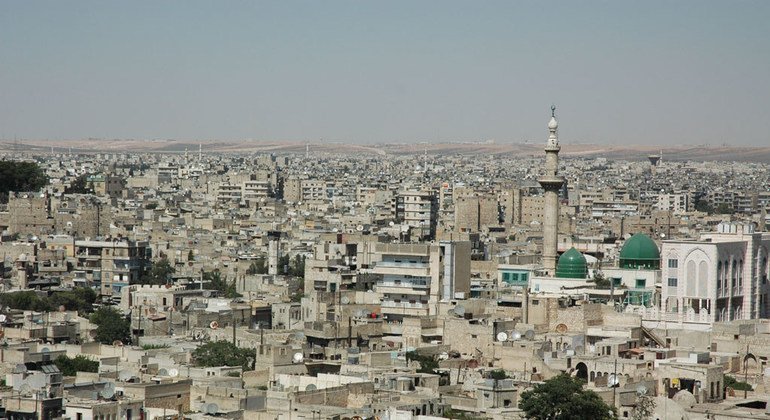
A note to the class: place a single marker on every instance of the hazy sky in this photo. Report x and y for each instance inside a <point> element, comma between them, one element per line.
<point>620,72</point>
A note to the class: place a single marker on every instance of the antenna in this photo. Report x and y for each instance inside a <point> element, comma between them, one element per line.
<point>502,336</point>
<point>173,372</point>
<point>311,387</point>
<point>162,372</point>
<point>298,357</point>
<point>529,334</point>
<point>515,336</point>
<point>214,325</point>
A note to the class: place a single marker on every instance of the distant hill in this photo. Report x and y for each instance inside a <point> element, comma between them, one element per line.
<point>697,153</point>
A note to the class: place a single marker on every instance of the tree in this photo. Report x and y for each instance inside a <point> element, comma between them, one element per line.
<point>79,299</point>
<point>428,364</point>
<point>190,255</point>
<point>259,266</point>
<point>498,374</point>
<point>19,177</point>
<point>223,353</point>
<point>563,398</point>
<point>297,266</point>
<point>71,366</point>
<point>160,273</point>
<point>737,385</point>
<point>644,409</point>
<point>283,264</point>
<point>216,282</point>
<point>111,326</point>
<point>600,281</point>
<point>79,186</point>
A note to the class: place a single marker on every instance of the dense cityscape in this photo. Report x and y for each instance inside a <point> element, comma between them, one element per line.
<point>374,286</point>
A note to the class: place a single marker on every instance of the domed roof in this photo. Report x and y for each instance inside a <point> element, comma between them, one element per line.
<point>553,124</point>
<point>639,250</point>
<point>572,265</point>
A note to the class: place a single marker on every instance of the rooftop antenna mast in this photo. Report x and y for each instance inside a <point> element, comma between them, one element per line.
<point>200,151</point>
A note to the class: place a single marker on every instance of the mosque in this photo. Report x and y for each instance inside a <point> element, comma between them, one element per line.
<point>723,276</point>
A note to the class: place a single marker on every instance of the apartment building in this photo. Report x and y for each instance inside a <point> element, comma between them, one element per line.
<point>418,210</point>
<point>109,265</point>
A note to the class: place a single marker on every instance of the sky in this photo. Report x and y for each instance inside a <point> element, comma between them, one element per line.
<point>619,72</point>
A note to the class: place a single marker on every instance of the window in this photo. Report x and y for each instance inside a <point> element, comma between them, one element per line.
<point>672,282</point>
<point>616,281</point>
<point>673,263</point>
<point>641,283</point>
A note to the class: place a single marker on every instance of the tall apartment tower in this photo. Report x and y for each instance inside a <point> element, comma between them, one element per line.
<point>551,183</point>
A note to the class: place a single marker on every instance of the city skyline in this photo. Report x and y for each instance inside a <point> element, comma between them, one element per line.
<point>658,73</point>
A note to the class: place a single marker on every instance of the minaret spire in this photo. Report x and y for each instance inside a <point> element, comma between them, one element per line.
<point>551,183</point>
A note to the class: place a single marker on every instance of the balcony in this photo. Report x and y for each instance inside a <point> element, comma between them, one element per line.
<point>400,290</point>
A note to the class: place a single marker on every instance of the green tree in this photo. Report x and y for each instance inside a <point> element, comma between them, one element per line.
<point>724,208</point>
<point>283,264</point>
<point>600,281</point>
<point>498,374</point>
<point>737,385</point>
<point>428,364</point>
<point>160,273</point>
<point>190,255</point>
<point>259,266</point>
<point>216,282</point>
<point>71,366</point>
<point>563,398</point>
<point>223,353</point>
<point>19,177</point>
<point>111,326</point>
<point>79,186</point>
<point>644,408</point>
<point>297,266</point>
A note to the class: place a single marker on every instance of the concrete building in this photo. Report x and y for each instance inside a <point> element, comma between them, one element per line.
<point>110,265</point>
<point>415,277</point>
<point>721,277</point>
<point>419,211</point>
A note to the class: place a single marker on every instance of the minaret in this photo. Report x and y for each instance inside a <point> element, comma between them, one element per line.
<point>551,183</point>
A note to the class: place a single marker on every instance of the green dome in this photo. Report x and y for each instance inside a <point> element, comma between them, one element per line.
<point>572,265</point>
<point>640,251</point>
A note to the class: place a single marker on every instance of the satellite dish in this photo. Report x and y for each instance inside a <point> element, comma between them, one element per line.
<point>443,356</point>
<point>153,311</point>
<point>641,390</point>
<point>45,350</point>
<point>529,335</point>
<point>345,300</point>
<point>502,336</point>
<point>173,372</point>
<point>360,313</point>
<point>299,336</point>
<point>125,375</point>
<point>162,372</point>
<point>22,368</point>
<point>612,381</point>
<point>108,391</point>
<point>297,358</point>
<point>311,387</point>
<point>391,224</point>
<point>592,349</point>
<point>206,293</point>
<point>92,333</point>
<point>515,336</point>
<point>2,318</point>
<point>211,408</point>
<point>561,328</point>
<point>360,228</point>
<point>25,389</point>
<point>117,343</point>
<point>214,325</point>
<point>459,310</point>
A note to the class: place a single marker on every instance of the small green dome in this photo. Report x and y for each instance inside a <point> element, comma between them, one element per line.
<point>572,265</point>
<point>640,251</point>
